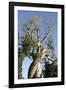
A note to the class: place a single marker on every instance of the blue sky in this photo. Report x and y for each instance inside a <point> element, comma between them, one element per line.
<point>25,16</point>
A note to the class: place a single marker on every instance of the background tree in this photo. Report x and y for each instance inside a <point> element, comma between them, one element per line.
<point>51,66</point>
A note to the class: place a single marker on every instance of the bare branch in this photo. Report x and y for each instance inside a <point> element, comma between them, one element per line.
<point>45,37</point>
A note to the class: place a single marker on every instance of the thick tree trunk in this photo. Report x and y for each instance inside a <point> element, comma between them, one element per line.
<point>34,72</point>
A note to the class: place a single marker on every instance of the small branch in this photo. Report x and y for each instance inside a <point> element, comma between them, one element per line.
<point>44,37</point>
<point>20,44</point>
<point>51,59</point>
